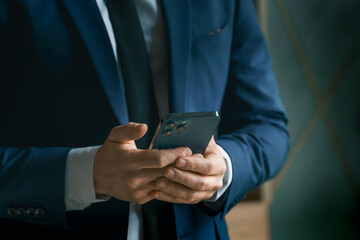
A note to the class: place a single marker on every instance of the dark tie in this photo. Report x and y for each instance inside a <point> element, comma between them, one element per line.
<point>158,217</point>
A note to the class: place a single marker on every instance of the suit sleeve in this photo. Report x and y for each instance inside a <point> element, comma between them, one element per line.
<point>253,129</point>
<point>32,184</point>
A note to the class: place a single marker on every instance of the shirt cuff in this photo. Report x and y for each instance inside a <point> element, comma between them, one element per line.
<point>79,182</point>
<point>227,178</point>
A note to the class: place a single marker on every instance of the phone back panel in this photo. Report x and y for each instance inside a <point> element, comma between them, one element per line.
<point>193,130</point>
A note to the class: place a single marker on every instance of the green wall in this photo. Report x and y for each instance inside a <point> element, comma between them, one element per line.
<point>315,48</point>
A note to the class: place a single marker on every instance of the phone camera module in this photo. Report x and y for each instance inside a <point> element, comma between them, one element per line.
<point>169,132</point>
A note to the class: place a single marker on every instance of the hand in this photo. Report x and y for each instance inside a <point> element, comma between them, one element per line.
<point>127,173</point>
<point>195,178</point>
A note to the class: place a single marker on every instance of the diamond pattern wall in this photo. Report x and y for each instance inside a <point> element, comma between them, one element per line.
<point>315,48</point>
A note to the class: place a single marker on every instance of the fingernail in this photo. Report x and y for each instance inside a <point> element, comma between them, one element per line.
<point>170,173</point>
<point>162,184</point>
<point>188,152</point>
<point>181,163</point>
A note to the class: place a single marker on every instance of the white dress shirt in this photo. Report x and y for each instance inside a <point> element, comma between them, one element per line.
<point>79,185</point>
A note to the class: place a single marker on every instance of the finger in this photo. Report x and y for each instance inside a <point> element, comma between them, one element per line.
<point>194,180</point>
<point>143,200</point>
<point>141,194</point>
<point>153,158</point>
<point>163,196</point>
<point>210,165</point>
<point>150,174</point>
<point>128,132</point>
<point>181,191</point>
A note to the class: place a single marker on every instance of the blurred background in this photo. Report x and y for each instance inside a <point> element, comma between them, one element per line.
<point>315,49</point>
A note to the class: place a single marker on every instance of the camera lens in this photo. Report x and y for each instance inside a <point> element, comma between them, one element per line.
<point>172,124</point>
<point>181,128</point>
<point>169,132</point>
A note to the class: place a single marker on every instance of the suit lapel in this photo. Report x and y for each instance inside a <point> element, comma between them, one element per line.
<point>88,20</point>
<point>177,15</point>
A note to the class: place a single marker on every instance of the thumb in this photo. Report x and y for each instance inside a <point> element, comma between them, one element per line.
<point>128,132</point>
<point>212,141</point>
<point>212,146</point>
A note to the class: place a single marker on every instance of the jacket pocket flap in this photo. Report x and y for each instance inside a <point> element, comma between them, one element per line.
<point>212,39</point>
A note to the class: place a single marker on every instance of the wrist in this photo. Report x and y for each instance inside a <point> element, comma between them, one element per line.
<point>97,176</point>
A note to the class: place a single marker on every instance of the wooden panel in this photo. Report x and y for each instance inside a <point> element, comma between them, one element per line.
<point>249,221</point>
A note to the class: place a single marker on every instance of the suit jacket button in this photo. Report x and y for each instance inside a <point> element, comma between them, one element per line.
<point>11,211</point>
<point>20,212</point>
<point>31,213</point>
<point>40,213</point>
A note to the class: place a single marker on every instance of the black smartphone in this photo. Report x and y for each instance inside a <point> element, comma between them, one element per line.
<point>191,129</point>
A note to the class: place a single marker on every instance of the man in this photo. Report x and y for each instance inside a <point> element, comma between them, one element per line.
<point>73,74</point>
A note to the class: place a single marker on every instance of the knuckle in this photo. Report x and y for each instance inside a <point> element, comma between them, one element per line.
<point>218,185</point>
<point>185,151</point>
<point>154,152</point>
<point>133,183</point>
<point>182,177</point>
<point>201,184</point>
<point>209,168</point>
<point>190,164</point>
<point>161,161</point>
<point>191,197</point>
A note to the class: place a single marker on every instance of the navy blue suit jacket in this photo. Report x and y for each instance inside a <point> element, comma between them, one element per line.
<point>60,88</point>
